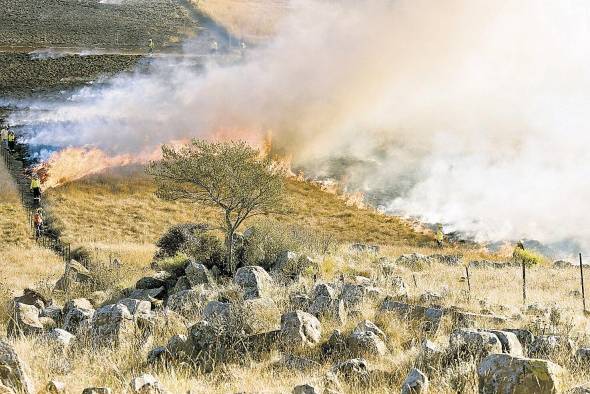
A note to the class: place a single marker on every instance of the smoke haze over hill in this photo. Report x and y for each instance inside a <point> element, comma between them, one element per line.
<point>471,113</point>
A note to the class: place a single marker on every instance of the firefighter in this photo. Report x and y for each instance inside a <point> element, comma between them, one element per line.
<point>440,236</point>
<point>36,187</point>
<point>214,47</point>
<point>151,46</point>
<point>4,137</point>
<point>38,222</point>
<point>11,140</point>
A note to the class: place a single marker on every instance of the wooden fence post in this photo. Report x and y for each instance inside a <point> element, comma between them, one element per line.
<point>523,282</point>
<point>468,279</point>
<point>582,283</point>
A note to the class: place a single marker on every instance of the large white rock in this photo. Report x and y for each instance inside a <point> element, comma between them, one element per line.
<point>254,280</point>
<point>416,383</point>
<point>300,329</point>
<point>506,374</point>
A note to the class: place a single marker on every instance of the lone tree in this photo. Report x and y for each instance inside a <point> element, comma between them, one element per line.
<point>232,176</point>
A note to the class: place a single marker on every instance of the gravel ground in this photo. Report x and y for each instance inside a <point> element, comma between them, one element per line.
<point>89,23</point>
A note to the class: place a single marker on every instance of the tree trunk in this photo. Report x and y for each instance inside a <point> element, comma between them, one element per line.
<point>229,243</point>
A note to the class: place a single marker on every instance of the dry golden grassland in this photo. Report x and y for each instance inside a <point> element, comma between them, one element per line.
<point>22,263</point>
<point>499,290</point>
<point>252,20</point>
<point>120,217</point>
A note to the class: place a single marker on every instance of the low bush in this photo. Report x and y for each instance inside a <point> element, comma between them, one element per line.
<point>194,241</point>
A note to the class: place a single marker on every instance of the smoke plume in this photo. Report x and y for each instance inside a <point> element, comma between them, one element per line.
<point>468,112</point>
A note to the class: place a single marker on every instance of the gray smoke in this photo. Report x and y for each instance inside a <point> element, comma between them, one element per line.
<point>467,112</point>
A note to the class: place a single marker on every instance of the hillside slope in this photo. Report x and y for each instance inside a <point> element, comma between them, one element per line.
<point>22,262</point>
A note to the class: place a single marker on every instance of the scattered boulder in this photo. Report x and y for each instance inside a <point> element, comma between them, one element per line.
<point>14,373</point>
<point>260,315</point>
<point>146,384</point>
<point>55,387</point>
<point>59,338</point>
<point>78,314</point>
<point>525,337</point>
<point>506,374</point>
<point>583,389</point>
<point>24,321</point>
<point>197,274</point>
<point>159,279</point>
<point>151,295</point>
<point>465,341</point>
<point>354,371</point>
<point>509,341</point>
<point>335,345</point>
<point>32,297</point>
<point>254,280</point>
<point>295,363</point>
<point>306,389</point>
<point>190,303</point>
<point>113,325</point>
<point>97,390</point>
<point>416,383</point>
<point>428,318</point>
<point>217,312</point>
<point>75,273</point>
<point>369,326</point>
<point>366,343</point>
<point>583,355</point>
<point>462,319</point>
<point>326,305</point>
<point>300,329</point>
<point>414,261</point>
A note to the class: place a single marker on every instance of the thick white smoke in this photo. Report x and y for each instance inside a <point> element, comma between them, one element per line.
<point>468,112</point>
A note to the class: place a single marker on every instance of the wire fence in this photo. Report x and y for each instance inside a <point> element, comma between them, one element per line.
<point>45,236</point>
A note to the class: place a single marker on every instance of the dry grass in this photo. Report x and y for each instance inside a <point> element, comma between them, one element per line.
<point>120,217</point>
<point>252,20</point>
<point>22,262</point>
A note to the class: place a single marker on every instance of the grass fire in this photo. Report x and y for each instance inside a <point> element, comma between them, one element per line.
<point>276,196</point>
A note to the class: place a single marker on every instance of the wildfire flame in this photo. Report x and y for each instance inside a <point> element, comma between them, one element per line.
<point>71,164</point>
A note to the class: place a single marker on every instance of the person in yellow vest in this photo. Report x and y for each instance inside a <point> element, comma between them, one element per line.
<point>4,137</point>
<point>36,187</point>
<point>440,236</point>
<point>151,46</point>
<point>11,141</point>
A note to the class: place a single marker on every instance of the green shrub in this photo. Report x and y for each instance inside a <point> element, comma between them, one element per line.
<point>265,241</point>
<point>530,257</point>
<point>194,241</point>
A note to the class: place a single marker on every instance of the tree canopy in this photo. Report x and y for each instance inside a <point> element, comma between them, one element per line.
<point>232,176</point>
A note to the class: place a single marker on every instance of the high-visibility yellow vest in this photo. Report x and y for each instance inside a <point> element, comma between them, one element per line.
<point>11,137</point>
<point>35,183</point>
<point>440,236</point>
